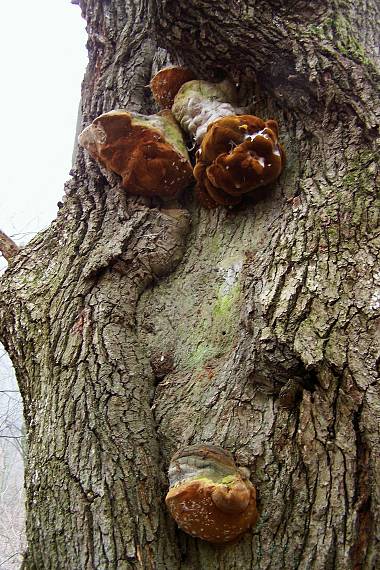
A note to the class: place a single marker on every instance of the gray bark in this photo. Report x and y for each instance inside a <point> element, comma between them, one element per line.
<point>136,328</point>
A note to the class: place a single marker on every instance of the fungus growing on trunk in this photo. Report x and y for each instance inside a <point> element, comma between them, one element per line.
<point>167,82</point>
<point>199,103</point>
<point>209,497</point>
<point>238,154</point>
<point>148,152</point>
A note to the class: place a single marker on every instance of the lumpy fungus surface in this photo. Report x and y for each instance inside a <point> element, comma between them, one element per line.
<point>238,154</point>
<point>148,152</point>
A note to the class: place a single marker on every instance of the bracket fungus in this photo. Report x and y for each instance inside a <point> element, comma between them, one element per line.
<point>209,497</point>
<point>199,103</point>
<point>148,152</point>
<point>238,155</point>
<point>167,82</point>
<point>238,152</point>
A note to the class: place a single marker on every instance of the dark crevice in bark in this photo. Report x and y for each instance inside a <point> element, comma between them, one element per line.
<point>362,499</point>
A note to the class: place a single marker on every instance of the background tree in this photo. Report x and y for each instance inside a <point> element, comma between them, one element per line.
<point>265,317</point>
<point>12,512</point>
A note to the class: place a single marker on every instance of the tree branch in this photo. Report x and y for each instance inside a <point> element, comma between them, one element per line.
<point>11,436</point>
<point>8,248</point>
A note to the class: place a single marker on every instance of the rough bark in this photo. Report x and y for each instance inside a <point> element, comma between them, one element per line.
<point>136,328</point>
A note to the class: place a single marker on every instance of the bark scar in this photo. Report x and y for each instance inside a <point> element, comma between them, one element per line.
<point>82,320</point>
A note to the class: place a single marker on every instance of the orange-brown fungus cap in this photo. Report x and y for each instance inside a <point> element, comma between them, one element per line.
<point>209,497</point>
<point>147,152</point>
<point>166,84</point>
<point>238,154</point>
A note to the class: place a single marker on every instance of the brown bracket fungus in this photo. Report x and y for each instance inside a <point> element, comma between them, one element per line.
<point>238,154</point>
<point>209,497</point>
<point>167,82</point>
<point>148,152</point>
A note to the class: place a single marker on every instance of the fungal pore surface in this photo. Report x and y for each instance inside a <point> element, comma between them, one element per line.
<point>209,497</point>
<point>148,152</point>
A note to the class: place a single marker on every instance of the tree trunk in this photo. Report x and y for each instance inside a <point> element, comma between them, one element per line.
<point>136,328</point>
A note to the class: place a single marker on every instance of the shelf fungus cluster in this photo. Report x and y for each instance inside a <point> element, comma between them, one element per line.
<point>209,497</point>
<point>238,152</point>
<point>148,152</point>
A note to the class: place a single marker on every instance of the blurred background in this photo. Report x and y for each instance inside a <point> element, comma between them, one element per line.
<point>43,58</point>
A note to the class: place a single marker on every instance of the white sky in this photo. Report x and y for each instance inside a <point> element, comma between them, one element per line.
<point>43,59</point>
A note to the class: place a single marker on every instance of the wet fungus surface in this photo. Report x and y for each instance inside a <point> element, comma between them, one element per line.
<point>209,497</point>
<point>238,154</point>
<point>148,152</point>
